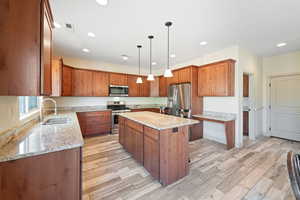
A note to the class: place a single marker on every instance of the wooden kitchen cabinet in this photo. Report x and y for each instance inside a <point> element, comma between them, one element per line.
<point>57,68</point>
<point>145,88</point>
<point>100,84</point>
<point>133,87</point>
<point>26,47</point>
<point>174,79</point>
<point>216,79</point>
<point>55,175</point>
<point>184,75</point>
<point>82,82</point>
<point>46,48</point>
<point>245,85</point>
<point>67,74</point>
<point>163,92</point>
<point>151,151</point>
<point>95,123</point>
<point>117,79</point>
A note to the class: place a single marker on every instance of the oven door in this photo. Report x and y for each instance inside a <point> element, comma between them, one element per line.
<point>118,91</point>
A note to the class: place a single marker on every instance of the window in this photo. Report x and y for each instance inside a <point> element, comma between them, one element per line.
<point>28,105</point>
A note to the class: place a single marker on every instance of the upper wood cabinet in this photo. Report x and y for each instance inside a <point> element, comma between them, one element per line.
<point>82,82</point>
<point>100,84</point>
<point>117,79</point>
<point>67,75</point>
<point>245,85</point>
<point>184,75</point>
<point>216,79</point>
<point>145,88</point>
<point>46,52</point>
<point>133,87</point>
<point>57,68</point>
<point>22,49</point>
<point>163,92</point>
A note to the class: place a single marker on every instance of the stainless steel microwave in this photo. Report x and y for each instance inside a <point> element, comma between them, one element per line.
<point>118,90</point>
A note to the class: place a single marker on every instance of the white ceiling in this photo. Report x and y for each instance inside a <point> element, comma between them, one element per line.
<point>256,25</point>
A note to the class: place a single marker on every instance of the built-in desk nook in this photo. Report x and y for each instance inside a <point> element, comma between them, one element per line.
<point>228,119</point>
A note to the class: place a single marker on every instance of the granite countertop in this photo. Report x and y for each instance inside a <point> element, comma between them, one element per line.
<point>158,121</point>
<point>218,116</point>
<point>42,139</point>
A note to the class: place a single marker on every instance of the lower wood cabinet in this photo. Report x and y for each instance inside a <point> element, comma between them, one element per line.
<point>121,130</point>
<point>95,123</point>
<point>151,151</point>
<point>54,175</point>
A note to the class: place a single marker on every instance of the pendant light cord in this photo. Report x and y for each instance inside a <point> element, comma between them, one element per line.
<point>150,56</point>
<point>168,48</point>
<point>139,61</point>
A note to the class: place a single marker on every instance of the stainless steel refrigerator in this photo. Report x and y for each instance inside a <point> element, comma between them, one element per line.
<point>179,100</point>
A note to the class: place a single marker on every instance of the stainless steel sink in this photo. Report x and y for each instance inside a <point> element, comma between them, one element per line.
<point>62,120</point>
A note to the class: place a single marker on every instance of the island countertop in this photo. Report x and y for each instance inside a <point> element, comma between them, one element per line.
<point>42,139</point>
<point>158,121</point>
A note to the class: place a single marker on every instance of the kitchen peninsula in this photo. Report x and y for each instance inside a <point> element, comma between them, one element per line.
<point>159,142</point>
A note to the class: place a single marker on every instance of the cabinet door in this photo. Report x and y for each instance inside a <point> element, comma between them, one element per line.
<point>219,79</point>
<point>145,88</point>
<point>46,54</point>
<point>245,85</point>
<point>20,48</point>
<point>184,75</point>
<point>117,79</point>
<point>204,83</point>
<point>154,87</point>
<point>67,74</point>
<point>151,152</point>
<point>162,86</point>
<point>133,87</point>
<point>138,146</point>
<point>57,65</point>
<point>174,79</point>
<point>100,84</point>
<point>82,83</point>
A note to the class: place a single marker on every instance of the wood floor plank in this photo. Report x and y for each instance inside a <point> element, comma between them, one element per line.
<point>256,172</point>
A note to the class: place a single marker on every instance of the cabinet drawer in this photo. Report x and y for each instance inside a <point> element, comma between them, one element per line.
<point>134,125</point>
<point>151,133</point>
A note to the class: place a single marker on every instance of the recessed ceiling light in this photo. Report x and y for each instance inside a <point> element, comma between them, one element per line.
<point>57,25</point>
<point>154,63</point>
<point>90,34</point>
<point>281,44</point>
<point>203,43</point>
<point>172,56</point>
<point>124,57</point>
<point>86,50</point>
<point>102,2</point>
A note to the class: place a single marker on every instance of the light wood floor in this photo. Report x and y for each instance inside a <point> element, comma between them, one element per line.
<point>257,171</point>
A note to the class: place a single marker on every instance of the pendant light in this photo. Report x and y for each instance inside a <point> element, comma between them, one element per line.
<point>168,71</point>
<point>139,79</point>
<point>150,76</point>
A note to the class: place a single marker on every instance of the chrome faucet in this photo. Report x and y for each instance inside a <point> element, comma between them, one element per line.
<point>42,107</point>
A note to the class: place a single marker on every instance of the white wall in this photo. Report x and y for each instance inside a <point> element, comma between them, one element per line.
<point>285,64</point>
<point>9,117</point>
<point>252,65</point>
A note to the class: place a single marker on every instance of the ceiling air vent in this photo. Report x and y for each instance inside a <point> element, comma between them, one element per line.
<point>69,27</point>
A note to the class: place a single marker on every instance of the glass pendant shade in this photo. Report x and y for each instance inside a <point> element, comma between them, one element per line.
<point>139,80</point>
<point>150,77</point>
<point>168,73</point>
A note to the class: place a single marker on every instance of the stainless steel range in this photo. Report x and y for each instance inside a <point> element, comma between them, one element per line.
<point>117,107</point>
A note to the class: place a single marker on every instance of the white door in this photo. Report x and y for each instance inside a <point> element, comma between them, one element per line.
<point>285,107</point>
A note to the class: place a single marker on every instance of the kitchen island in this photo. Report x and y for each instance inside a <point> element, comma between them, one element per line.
<point>158,142</point>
